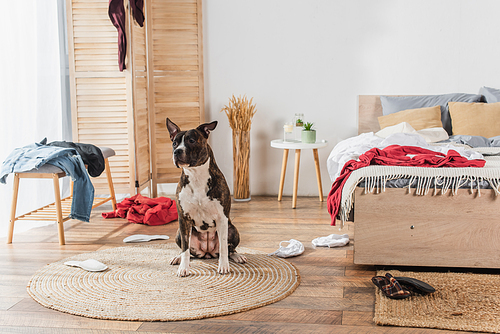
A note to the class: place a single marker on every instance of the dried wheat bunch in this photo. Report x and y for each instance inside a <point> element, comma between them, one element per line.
<point>239,113</point>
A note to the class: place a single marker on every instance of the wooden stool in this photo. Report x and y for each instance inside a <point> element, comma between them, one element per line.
<point>61,208</point>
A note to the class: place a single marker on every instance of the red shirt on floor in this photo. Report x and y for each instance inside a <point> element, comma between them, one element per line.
<point>144,210</point>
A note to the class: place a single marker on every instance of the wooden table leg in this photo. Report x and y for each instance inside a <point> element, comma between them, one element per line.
<point>296,178</point>
<point>318,173</point>
<point>283,172</point>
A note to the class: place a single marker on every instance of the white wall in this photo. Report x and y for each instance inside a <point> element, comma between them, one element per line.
<point>316,56</point>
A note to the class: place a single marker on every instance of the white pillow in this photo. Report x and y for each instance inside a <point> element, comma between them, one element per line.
<point>433,135</point>
<point>430,135</point>
<point>403,127</point>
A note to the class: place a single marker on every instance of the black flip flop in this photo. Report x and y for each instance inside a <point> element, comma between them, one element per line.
<point>415,285</point>
<point>390,287</point>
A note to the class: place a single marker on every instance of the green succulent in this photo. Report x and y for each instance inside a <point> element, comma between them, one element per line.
<point>308,126</point>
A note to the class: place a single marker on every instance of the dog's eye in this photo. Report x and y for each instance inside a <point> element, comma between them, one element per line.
<point>174,144</point>
<point>192,141</point>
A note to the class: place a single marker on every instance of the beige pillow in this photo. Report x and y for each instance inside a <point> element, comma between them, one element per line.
<point>421,118</point>
<point>475,119</point>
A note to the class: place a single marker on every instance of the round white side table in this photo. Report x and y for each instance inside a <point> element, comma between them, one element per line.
<point>298,146</point>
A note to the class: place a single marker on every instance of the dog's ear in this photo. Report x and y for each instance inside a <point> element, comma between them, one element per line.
<point>207,127</point>
<point>173,129</point>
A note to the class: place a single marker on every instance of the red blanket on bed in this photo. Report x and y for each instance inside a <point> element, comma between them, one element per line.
<point>395,155</point>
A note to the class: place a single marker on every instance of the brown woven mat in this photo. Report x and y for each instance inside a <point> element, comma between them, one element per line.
<point>140,285</point>
<point>462,301</point>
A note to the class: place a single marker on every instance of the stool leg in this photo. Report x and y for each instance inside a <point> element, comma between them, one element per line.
<point>318,173</point>
<point>57,195</point>
<point>13,208</point>
<point>110,183</point>
<point>283,172</point>
<point>296,178</point>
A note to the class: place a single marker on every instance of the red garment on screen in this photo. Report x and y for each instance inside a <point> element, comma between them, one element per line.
<point>395,155</point>
<point>144,210</point>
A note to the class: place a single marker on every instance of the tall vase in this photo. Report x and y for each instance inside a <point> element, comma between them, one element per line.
<point>241,161</point>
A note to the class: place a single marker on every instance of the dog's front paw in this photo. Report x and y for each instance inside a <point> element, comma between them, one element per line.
<point>183,272</point>
<point>238,258</point>
<point>175,260</point>
<point>223,266</point>
<point>183,261</point>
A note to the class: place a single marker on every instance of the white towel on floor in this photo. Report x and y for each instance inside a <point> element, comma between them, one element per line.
<point>293,248</point>
<point>333,240</point>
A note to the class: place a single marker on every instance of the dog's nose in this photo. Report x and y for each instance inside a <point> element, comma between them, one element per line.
<point>177,152</point>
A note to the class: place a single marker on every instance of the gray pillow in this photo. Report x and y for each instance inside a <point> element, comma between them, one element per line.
<point>472,141</point>
<point>495,141</point>
<point>392,104</point>
<point>491,95</point>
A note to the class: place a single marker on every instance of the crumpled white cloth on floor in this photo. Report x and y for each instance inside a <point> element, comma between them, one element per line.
<point>293,248</point>
<point>333,240</point>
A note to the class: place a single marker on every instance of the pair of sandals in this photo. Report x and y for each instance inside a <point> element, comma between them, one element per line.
<point>401,287</point>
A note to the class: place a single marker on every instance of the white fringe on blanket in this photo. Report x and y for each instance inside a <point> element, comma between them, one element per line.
<point>449,179</point>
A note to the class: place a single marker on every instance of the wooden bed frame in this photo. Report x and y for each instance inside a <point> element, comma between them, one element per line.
<point>397,227</point>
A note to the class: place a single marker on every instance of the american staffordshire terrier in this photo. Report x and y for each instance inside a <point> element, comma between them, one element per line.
<point>203,202</point>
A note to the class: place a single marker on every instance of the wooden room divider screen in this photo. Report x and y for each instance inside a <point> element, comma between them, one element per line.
<point>127,110</point>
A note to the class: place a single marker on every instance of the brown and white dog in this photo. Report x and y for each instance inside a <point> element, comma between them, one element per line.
<point>203,202</point>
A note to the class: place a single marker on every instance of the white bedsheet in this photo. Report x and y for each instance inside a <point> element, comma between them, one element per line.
<point>353,147</point>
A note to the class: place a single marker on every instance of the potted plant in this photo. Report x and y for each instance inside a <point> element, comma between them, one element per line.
<point>308,133</point>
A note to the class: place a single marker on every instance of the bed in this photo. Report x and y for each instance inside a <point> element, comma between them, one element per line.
<point>424,226</point>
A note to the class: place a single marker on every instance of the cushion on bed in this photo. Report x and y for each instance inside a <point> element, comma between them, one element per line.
<point>495,141</point>
<point>491,95</point>
<point>431,135</point>
<point>421,118</point>
<point>393,104</point>
<point>475,119</point>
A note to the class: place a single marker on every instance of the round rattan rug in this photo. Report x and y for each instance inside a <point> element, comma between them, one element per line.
<point>140,285</point>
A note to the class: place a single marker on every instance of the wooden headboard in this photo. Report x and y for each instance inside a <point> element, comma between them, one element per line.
<point>369,110</point>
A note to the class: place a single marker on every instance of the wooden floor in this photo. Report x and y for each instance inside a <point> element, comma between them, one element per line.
<point>335,296</point>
